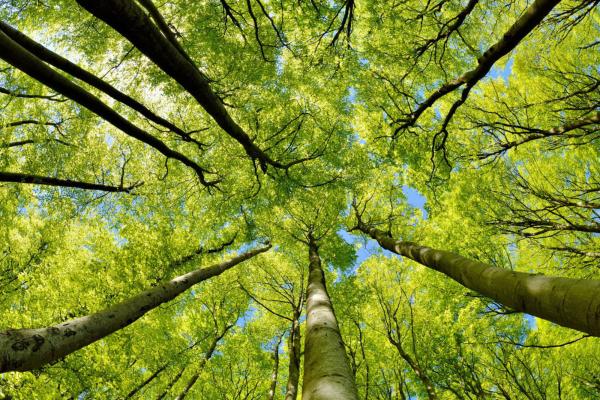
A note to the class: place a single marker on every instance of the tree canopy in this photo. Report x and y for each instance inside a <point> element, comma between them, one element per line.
<point>330,199</point>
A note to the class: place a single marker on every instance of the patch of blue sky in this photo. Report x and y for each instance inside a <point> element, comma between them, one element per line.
<point>415,199</point>
<point>504,73</point>
<point>246,247</point>
<point>531,321</point>
<point>279,64</point>
<point>109,139</point>
<point>365,250</point>
<point>247,317</point>
<point>351,94</point>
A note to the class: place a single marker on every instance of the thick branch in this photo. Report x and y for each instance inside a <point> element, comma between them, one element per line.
<point>521,28</point>
<point>130,21</point>
<point>49,181</point>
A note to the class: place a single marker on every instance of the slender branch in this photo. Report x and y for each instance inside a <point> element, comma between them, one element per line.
<point>74,70</point>
<point>20,58</point>
<point>53,97</point>
<point>513,36</point>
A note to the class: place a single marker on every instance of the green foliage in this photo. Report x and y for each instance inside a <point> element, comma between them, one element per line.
<point>532,207</point>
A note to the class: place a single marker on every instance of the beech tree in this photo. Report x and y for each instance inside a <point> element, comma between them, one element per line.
<point>316,199</point>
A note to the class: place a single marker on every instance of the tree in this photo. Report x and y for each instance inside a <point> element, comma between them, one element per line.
<point>142,141</point>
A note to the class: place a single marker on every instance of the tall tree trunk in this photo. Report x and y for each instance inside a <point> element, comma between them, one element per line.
<point>291,389</point>
<point>327,373</point>
<point>27,349</point>
<point>127,18</point>
<point>207,356</point>
<point>573,303</point>
<point>273,387</point>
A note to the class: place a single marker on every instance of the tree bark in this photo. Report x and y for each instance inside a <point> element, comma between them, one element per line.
<point>275,373</point>
<point>573,303</point>
<point>28,349</point>
<point>294,349</point>
<point>327,373</point>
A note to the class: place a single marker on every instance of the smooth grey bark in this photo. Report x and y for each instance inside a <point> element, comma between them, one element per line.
<point>14,177</point>
<point>28,349</point>
<point>573,303</point>
<point>20,58</point>
<point>327,372</point>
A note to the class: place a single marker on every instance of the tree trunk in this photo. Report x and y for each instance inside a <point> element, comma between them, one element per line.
<point>573,303</point>
<point>291,391</point>
<point>27,349</point>
<point>275,372</point>
<point>327,373</point>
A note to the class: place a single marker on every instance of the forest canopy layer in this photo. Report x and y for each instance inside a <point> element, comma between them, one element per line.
<point>248,199</point>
